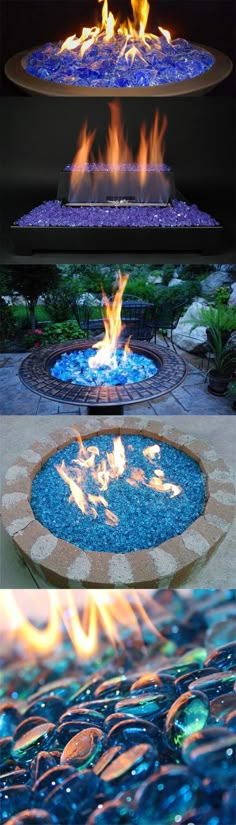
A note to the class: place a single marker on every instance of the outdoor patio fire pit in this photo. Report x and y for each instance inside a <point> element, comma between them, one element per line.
<point>134,504</point>
<point>117,57</point>
<point>117,199</point>
<point>108,373</point>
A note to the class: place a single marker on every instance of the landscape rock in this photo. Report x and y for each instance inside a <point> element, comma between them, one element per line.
<point>186,340</point>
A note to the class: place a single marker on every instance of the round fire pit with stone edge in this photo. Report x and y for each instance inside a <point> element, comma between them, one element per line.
<point>15,70</point>
<point>61,564</point>
<point>36,375</point>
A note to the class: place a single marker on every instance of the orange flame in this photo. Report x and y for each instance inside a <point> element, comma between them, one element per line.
<point>109,469</point>
<point>101,610</point>
<point>165,33</point>
<point>117,153</point>
<point>113,326</point>
<point>131,30</point>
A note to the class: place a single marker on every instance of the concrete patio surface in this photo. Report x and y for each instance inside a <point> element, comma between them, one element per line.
<point>190,398</point>
<point>18,433</point>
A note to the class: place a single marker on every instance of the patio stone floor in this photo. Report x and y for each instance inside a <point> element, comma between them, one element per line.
<point>190,398</point>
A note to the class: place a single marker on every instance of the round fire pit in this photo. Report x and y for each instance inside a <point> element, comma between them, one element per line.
<point>35,373</point>
<point>221,67</point>
<point>62,504</point>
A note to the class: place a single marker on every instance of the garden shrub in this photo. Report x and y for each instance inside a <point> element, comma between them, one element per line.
<point>52,334</point>
<point>7,326</point>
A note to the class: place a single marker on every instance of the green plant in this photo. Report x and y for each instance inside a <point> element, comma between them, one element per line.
<point>231,391</point>
<point>66,331</point>
<point>6,321</point>
<point>167,274</point>
<point>59,303</point>
<point>224,357</point>
<point>31,282</point>
<point>222,295</point>
<point>220,318</point>
<point>33,338</point>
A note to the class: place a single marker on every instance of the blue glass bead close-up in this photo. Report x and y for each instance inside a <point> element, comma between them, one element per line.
<point>187,715</point>
<point>132,731</point>
<point>16,777</point>
<point>224,658</point>
<point>13,799</point>
<point>9,719</point>
<point>207,736</point>
<point>183,682</point>
<point>35,816</point>
<point>49,780</point>
<point>221,707</point>
<point>75,798</point>
<point>130,767</point>
<point>84,748</point>
<point>27,725</point>
<point>114,813</point>
<point>214,758</point>
<point>113,719</point>
<point>32,742</point>
<point>51,707</point>
<point>170,792</point>
<point>215,684</point>
<point>148,706</point>
<point>5,750</point>
<point>43,762</point>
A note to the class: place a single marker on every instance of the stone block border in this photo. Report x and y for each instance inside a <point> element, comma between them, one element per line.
<point>60,564</point>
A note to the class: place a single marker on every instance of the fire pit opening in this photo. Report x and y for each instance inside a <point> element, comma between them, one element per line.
<point>118,494</point>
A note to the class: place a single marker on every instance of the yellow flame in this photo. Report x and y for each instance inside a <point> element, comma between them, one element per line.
<point>113,326</point>
<point>102,609</point>
<point>165,33</point>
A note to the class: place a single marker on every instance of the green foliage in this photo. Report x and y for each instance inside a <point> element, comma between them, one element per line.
<point>224,357</point>
<point>167,274</point>
<point>59,303</point>
<point>66,331</point>
<point>193,272</point>
<point>7,326</point>
<point>231,391</point>
<point>219,318</point>
<point>221,295</point>
<point>176,294</point>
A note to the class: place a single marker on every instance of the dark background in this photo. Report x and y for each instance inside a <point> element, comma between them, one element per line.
<point>28,23</point>
<point>40,137</point>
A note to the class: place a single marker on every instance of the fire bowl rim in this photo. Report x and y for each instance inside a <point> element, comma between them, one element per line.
<point>76,394</point>
<point>60,564</point>
<point>15,71</point>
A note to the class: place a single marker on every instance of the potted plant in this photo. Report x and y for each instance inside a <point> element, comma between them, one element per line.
<point>223,364</point>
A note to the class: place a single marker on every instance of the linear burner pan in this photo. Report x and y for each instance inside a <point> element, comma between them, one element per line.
<point>29,240</point>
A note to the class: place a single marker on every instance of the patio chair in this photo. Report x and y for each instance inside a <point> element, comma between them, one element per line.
<point>83,314</point>
<point>166,319</point>
<point>138,319</point>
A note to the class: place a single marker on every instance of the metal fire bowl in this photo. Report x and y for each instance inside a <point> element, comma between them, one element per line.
<point>16,72</point>
<point>35,374</point>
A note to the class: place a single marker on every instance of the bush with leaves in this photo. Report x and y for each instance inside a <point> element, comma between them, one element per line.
<point>66,331</point>
<point>7,326</point>
<point>220,318</point>
<point>174,295</point>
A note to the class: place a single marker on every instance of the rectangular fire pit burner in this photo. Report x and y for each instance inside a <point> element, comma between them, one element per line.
<point>115,199</point>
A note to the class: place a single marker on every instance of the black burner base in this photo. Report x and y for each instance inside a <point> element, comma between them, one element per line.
<point>29,240</point>
<point>115,409</point>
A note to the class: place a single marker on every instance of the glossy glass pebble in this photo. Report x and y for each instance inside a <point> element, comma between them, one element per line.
<point>221,707</point>
<point>224,658</point>
<point>9,719</point>
<point>132,732</point>
<point>84,748</point>
<point>149,706</point>
<point>183,682</point>
<point>13,799</point>
<point>87,716</point>
<point>35,816</point>
<point>50,707</point>
<point>215,759</point>
<point>131,767</point>
<point>106,758</point>
<point>50,779</point>
<point>27,725</point>
<point>64,688</point>
<point>113,813</point>
<point>86,691</point>
<point>152,683</point>
<point>76,798</point>
<point>115,687</point>
<point>32,742</point>
<point>114,718</point>
<point>170,793</point>
<point>43,762</point>
<point>187,715</point>
<point>5,750</point>
<point>208,735</point>
<point>16,777</point>
<point>228,807</point>
<point>103,706</point>
<point>216,684</point>
<point>230,720</point>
